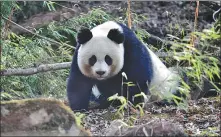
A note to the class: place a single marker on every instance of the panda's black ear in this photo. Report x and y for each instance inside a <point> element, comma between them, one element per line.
<point>116,36</point>
<point>84,35</point>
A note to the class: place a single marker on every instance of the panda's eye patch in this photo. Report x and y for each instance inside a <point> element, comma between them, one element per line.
<point>92,60</point>
<point>108,60</point>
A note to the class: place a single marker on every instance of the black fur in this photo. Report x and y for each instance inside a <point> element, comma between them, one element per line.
<point>92,60</point>
<point>84,35</point>
<point>108,60</point>
<point>116,36</point>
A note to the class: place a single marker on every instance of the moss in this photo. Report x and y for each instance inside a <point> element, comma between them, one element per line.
<point>37,102</point>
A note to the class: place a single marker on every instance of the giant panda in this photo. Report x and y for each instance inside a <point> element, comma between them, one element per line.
<point>102,54</point>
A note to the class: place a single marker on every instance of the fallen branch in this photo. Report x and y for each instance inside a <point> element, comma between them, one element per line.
<point>58,66</point>
<point>31,71</point>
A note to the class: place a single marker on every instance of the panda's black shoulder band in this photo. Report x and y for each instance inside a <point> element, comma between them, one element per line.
<point>84,35</point>
<point>116,36</point>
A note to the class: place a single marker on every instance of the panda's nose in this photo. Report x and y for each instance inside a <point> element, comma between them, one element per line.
<point>100,72</point>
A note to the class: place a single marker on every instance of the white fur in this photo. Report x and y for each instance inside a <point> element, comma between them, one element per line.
<point>96,91</point>
<point>100,46</point>
<point>164,79</point>
<point>103,29</point>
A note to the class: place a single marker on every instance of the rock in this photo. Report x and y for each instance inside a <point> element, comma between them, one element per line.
<point>38,117</point>
<point>153,128</point>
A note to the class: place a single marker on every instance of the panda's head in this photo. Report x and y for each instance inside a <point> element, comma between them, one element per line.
<point>101,52</point>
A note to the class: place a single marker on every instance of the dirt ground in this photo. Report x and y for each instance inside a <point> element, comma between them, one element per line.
<point>202,117</point>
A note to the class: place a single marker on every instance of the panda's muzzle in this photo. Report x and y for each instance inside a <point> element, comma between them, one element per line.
<point>100,72</point>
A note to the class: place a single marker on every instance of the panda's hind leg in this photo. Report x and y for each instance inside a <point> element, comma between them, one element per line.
<point>176,93</point>
<point>165,102</point>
